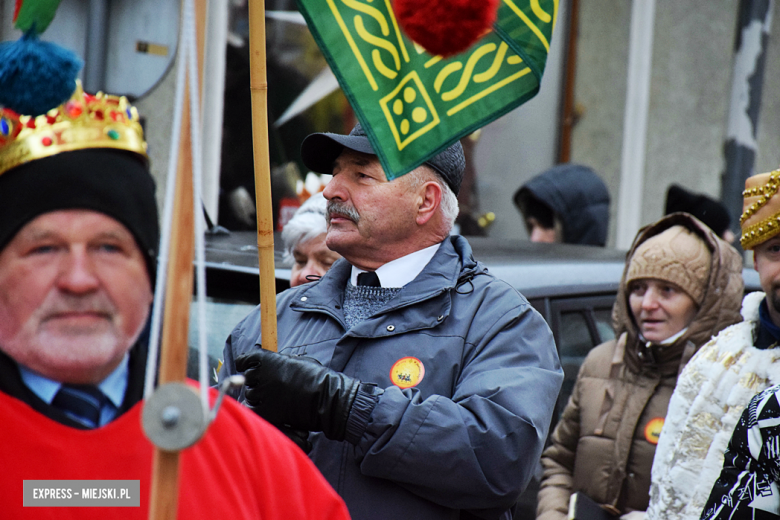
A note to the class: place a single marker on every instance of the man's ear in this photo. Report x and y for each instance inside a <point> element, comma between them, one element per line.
<point>429,201</point>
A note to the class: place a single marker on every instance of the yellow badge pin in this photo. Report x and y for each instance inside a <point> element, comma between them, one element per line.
<point>407,372</point>
<point>653,430</point>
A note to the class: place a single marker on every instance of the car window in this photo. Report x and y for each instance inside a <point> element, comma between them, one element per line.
<point>574,343</point>
<point>603,321</point>
<point>578,325</point>
<point>222,316</point>
<point>574,335</point>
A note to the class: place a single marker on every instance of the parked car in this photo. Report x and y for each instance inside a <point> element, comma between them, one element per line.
<point>573,288</point>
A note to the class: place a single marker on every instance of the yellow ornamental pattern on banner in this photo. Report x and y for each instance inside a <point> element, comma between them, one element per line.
<point>357,27</point>
<point>413,104</point>
<point>408,108</point>
<point>409,96</point>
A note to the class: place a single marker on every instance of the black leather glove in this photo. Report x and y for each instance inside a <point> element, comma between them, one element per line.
<point>298,392</point>
<point>299,437</point>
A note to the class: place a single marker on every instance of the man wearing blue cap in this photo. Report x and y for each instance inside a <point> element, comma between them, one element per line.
<point>423,385</point>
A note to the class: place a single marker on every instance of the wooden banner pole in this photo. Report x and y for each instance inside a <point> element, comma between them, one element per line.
<point>163,501</point>
<point>164,497</point>
<point>265,226</point>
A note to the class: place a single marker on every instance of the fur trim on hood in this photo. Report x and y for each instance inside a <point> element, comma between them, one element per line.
<point>719,308</point>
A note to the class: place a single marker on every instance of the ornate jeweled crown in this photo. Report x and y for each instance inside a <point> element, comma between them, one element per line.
<point>760,218</point>
<point>84,121</point>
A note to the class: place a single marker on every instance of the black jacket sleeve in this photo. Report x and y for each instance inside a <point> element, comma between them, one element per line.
<point>748,484</point>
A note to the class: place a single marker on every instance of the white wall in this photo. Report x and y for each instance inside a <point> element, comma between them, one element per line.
<point>693,45</point>
<point>519,145</point>
<point>690,87</point>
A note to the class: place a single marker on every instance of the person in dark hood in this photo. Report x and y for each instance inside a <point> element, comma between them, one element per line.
<point>710,211</point>
<point>567,203</point>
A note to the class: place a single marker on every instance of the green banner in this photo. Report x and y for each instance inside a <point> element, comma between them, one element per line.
<point>414,105</point>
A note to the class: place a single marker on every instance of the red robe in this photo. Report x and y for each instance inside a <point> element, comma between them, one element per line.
<point>243,468</point>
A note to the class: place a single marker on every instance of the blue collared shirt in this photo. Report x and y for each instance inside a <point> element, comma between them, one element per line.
<point>113,387</point>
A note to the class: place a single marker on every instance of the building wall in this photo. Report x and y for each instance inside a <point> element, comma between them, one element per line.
<point>690,88</point>
<point>519,145</point>
<point>600,91</point>
<point>691,80</point>
<point>689,96</point>
<point>768,158</point>
<point>689,93</point>
<point>157,110</point>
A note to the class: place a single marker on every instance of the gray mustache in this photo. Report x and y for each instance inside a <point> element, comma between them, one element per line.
<point>342,209</point>
<point>69,303</point>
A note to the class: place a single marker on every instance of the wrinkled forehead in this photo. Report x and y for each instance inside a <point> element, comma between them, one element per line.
<point>73,224</point>
<point>352,157</point>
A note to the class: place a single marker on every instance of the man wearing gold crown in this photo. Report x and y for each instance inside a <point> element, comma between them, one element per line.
<point>78,243</point>
<point>718,383</point>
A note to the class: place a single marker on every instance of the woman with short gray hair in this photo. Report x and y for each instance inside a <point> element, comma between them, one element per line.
<point>304,242</point>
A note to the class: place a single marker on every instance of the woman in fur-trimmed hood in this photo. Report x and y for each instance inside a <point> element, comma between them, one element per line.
<point>604,443</point>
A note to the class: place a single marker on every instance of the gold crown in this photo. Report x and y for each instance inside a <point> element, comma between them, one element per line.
<point>84,121</point>
<point>760,218</point>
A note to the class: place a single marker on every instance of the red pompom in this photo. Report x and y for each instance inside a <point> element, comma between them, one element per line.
<point>16,9</point>
<point>446,27</point>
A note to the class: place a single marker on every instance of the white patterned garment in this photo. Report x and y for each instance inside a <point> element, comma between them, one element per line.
<point>712,391</point>
<point>747,487</point>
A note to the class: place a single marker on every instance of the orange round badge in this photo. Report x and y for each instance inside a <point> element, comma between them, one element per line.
<point>407,372</point>
<point>653,430</point>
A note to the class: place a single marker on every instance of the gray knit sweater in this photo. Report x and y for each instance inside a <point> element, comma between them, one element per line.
<point>363,301</point>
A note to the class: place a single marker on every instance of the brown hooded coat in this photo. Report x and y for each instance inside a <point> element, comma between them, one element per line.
<point>605,441</point>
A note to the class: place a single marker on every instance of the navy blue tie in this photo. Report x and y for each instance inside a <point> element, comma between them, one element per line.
<point>369,278</point>
<point>82,403</point>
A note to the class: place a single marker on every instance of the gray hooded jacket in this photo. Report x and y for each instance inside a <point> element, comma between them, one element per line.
<point>469,434</point>
<point>578,196</point>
